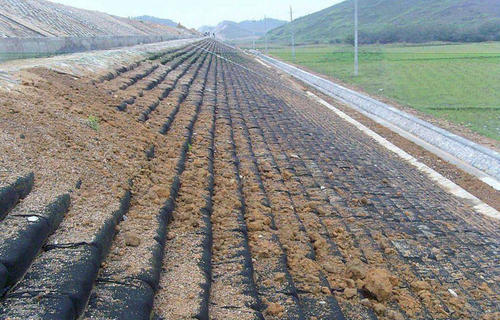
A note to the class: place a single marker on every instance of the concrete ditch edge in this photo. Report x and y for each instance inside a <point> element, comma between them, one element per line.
<point>472,157</point>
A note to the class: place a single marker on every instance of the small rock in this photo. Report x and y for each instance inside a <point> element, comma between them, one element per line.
<point>275,309</point>
<point>366,302</point>
<point>394,315</point>
<point>356,270</point>
<point>379,308</point>
<point>453,293</point>
<point>286,174</point>
<point>280,276</point>
<point>420,285</point>
<point>389,251</point>
<point>360,283</point>
<point>350,283</point>
<point>329,267</point>
<point>378,282</point>
<point>484,287</point>
<point>161,192</point>
<point>350,292</point>
<point>131,239</point>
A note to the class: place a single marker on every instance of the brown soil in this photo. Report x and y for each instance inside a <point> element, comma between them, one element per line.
<point>181,284</point>
<point>47,123</point>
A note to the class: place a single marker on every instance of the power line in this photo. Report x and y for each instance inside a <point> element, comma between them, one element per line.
<point>293,35</point>
<point>355,37</point>
<point>265,36</point>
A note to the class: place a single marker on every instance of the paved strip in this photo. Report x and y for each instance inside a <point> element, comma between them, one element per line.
<point>485,162</point>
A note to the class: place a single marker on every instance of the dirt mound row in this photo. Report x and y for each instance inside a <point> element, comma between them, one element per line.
<point>185,186</point>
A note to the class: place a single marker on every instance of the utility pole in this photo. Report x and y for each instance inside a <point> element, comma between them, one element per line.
<point>265,36</point>
<point>293,35</point>
<point>355,37</point>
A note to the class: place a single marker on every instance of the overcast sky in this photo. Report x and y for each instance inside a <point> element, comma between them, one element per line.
<point>195,13</point>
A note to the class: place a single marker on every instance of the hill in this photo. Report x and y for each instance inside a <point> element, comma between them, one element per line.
<point>248,29</point>
<point>165,22</point>
<point>40,18</point>
<point>387,21</point>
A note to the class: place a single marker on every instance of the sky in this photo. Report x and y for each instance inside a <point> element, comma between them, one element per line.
<point>196,13</point>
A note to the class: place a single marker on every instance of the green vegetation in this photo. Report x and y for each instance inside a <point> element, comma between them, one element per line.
<point>14,56</point>
<point>459,82</point>
<point>93,122</point>
<point>388,21</point>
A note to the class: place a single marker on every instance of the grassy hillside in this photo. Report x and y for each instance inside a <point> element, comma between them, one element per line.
<point>387,21</point>
<point>460,83</point>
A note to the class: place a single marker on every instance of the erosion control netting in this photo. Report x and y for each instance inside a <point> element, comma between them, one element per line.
<point>247,201</point>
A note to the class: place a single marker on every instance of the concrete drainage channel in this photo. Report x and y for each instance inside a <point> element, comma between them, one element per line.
<point>473,158</point>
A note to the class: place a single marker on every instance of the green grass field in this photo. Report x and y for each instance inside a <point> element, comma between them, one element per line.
<point>459,82</point>
<point>15,56</point>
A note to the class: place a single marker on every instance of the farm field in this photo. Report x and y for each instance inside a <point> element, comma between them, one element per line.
<point>198,184</point>
<point>459,82</point>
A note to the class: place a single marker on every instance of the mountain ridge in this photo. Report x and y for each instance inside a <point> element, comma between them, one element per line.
<point>388,21</point>
<point>247,29</point>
